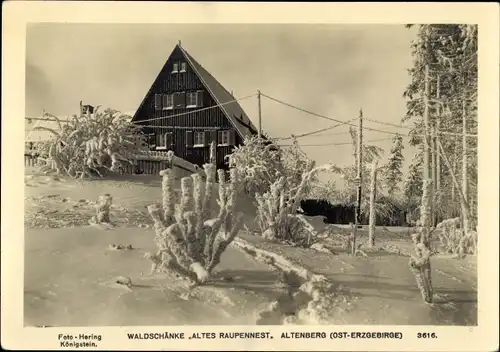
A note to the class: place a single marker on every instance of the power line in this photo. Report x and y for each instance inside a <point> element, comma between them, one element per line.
<point>410,128</point>
<point>329,144</point>
<point>314,132</point>
<point>163,117</point>
<point>348,122</point>
<point>197,110</point>
<point>44,119</point>
<point>308,112</point>
<point>316,135</point>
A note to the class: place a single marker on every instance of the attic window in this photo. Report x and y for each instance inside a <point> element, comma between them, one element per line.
<point>183,67</point>
<point>176,68</point>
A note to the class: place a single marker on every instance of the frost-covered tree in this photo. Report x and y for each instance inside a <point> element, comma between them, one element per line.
<point>412,186</point>
<point>258,161</point>
<point>392,170</point>
<point>295,163</point>
<point>261,162</point>
<point>277,215</point>
<point>91,144</point>
<point>449,51</point>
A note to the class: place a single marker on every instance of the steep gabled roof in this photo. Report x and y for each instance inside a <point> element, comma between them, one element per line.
<point>233,111</point>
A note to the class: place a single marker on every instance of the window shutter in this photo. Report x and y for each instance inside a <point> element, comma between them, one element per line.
<point>199,99</point>
<point>182,99</point>
<point>207,138</point>
<point>232,137</point>
<point>213,136</point>
<point>170,139</point>
<point>157,101</point>
<point>189,139</point>
<point>174,100</point>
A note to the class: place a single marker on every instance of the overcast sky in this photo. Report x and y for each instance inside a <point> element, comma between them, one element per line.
<point>332,70</point>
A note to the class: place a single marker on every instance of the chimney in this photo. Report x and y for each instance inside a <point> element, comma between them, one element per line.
<point>179,43</point>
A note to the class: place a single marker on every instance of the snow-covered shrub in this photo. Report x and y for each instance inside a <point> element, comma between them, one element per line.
<point>319,308</point>
<point>453,240</point>
<point>103,207</point>
<point>261,162</point>
<point>294,164</point>
<point>91,144</point>
<point>277,215</point>
<point>190,239</point>
<point>258,161</point>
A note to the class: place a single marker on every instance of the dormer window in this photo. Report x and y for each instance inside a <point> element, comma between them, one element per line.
<point>183,67</point>
<point>176,68</point>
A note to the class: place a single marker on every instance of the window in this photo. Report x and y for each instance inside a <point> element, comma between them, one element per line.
<point>191,99</point>
<point>183,67</point>
<point>199,138</point>
<point>157,101</point>
<point>179,100</point>
<point>223,138</point>
<point>176,68</point>
<point>168,101</point>
<point>161,141</point>
<point>169,139</point>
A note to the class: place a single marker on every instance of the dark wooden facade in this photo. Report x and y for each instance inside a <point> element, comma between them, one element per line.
<point>185,101</point>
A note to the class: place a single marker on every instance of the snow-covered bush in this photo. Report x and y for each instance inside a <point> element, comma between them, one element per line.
<point>190,239</point>
<point>258,161</point>
<point>294,164</point>
<point>91,144</point>
<point>277,215</point>
<point>453,240</point>
<point>261,162</point>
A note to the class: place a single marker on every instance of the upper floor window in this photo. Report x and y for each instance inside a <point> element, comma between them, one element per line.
<point>199,138</point>
<point>191,99</point>
<point>183,67</point>
<point>226,137</point>
<point>176,67</point>
<point>223,138</point>
<point>157,102</point>
<point>168,101</point>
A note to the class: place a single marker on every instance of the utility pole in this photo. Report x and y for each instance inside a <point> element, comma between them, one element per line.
<point>359,168</point>
<point>438,126</point>
<point>427,196</point>
<point>426,171</point>
<point>260,114</point>
<point>434,157</point>
<point>465,191</point>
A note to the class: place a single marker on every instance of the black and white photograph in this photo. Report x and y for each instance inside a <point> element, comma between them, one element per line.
<point>251,174</point>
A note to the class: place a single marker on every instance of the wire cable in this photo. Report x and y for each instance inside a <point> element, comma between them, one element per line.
<point>330,144</point>
<point>349,122</point>
<point>314,132</point>
<point>197,110</point>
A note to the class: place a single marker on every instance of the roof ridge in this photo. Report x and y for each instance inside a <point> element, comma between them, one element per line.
<point>239,124</point>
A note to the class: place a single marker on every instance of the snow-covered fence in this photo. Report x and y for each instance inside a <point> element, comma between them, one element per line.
<point>151,162</point>
<point>31,158</point>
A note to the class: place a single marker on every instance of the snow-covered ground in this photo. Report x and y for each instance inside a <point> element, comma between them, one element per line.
<point>70,269</point>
